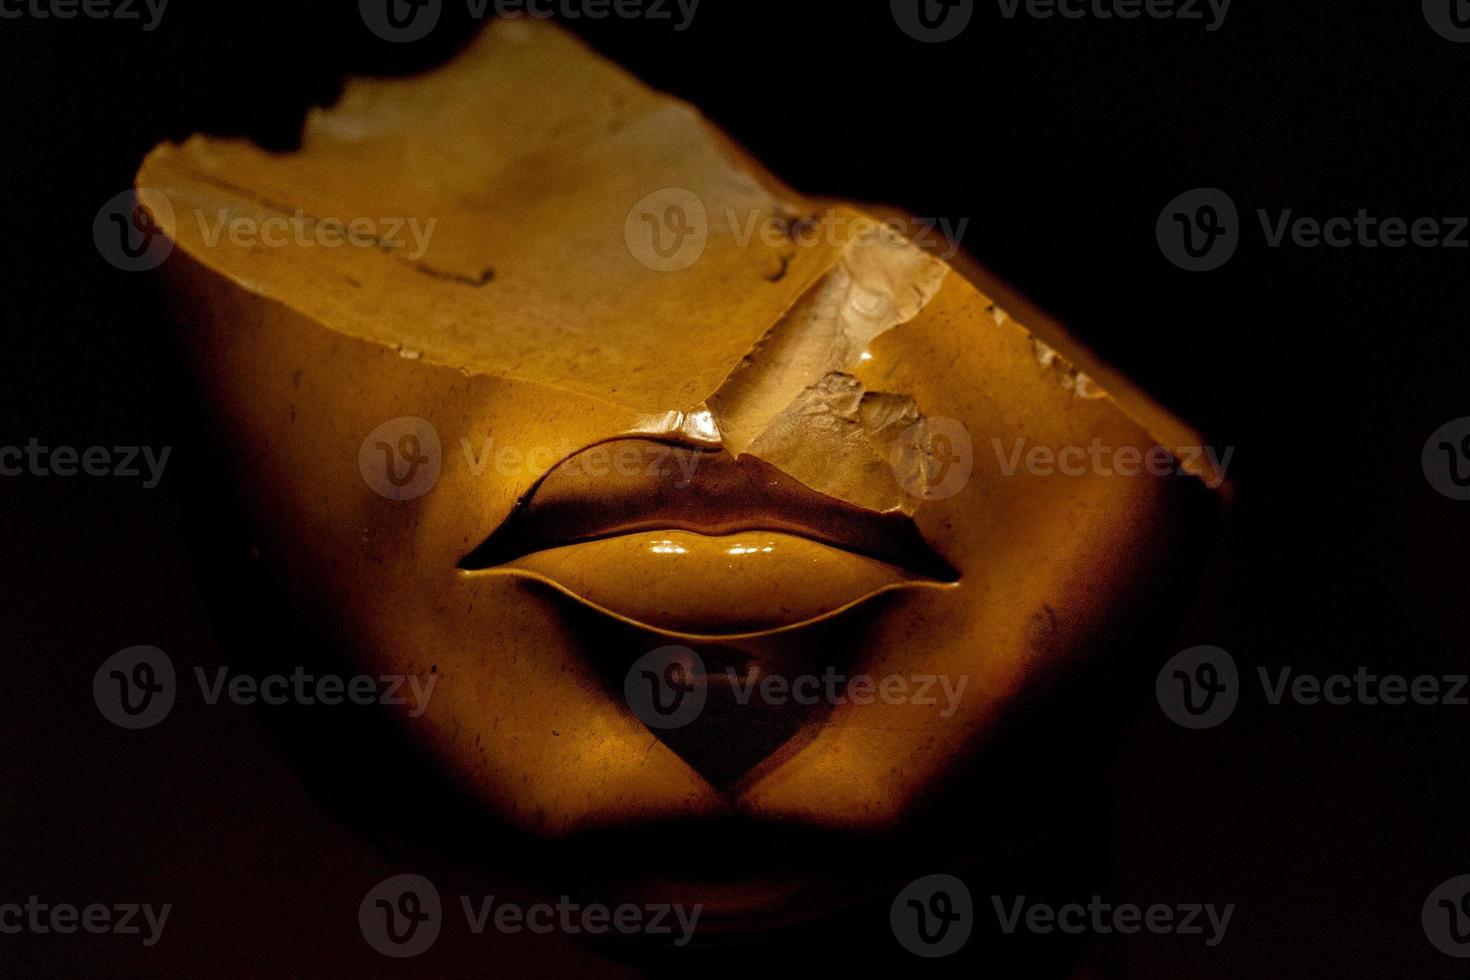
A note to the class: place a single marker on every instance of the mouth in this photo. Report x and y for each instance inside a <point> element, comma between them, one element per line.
<point>694,543</point>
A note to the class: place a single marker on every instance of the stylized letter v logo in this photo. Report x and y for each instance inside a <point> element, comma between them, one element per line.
<point>1206,220</point>
<point>942,906</point>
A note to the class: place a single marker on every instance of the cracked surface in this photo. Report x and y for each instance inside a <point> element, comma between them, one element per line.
<point>878,282</point>
<point>792,401</point>
<point>536,187</point>
<point>763,343</point>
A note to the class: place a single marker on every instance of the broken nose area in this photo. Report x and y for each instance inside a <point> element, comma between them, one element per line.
<point>796,399</point>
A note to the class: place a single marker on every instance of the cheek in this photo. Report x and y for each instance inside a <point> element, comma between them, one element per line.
<point>298,416</point>
<point>1036,607</point>
<point>1057,570</point>
<point>518,715</point>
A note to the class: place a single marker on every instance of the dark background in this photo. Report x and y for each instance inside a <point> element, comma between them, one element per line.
<point>1061,141</point>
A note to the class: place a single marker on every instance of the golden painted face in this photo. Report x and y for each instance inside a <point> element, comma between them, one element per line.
<point>700,499</point>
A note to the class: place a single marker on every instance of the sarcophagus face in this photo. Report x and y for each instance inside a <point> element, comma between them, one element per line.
<point>713,509</point>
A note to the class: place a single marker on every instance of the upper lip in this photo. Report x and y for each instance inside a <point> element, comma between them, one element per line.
<point>704,491</point>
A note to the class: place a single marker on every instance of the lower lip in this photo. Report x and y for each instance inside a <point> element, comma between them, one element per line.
<point>696,585</point>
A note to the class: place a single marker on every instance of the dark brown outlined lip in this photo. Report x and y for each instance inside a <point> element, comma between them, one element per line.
<point>670,486</point>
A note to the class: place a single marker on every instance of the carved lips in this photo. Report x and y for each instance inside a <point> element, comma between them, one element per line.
<point>689,541</point>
